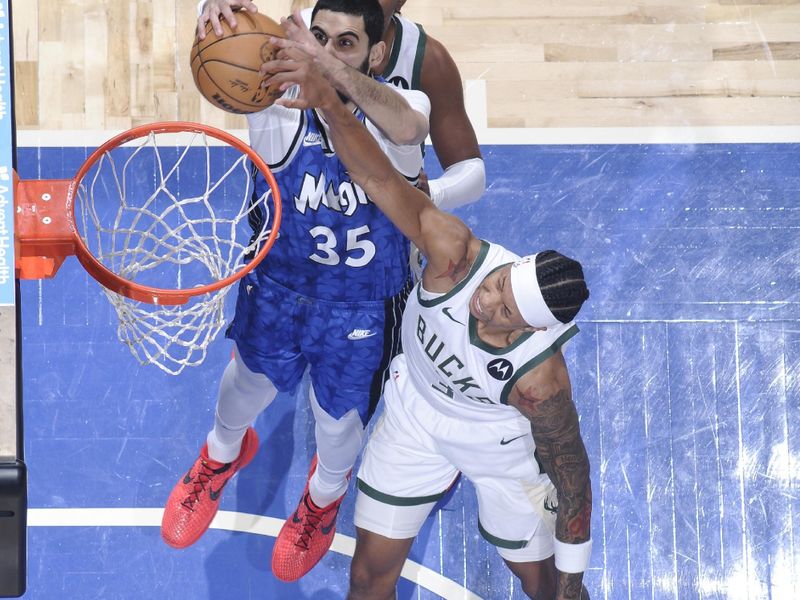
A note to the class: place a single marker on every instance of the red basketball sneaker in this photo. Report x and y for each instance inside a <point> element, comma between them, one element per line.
<point>195,499</point>
<point>305,536</point>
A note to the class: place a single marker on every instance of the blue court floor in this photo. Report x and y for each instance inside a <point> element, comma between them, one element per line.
<point>685,375</point>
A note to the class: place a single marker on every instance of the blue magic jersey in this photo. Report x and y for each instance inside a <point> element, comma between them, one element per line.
<point>335,243</point>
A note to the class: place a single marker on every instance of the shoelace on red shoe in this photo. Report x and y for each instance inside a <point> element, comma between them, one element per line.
<point>203,478</point>
<point>310,524</point>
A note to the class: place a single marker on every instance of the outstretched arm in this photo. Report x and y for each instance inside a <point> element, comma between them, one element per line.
<point>444,239</point>
<point>544,396</point>
<point>400,122</point>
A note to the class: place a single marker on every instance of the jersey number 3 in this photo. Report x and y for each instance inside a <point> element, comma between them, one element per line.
<point>363,249</point>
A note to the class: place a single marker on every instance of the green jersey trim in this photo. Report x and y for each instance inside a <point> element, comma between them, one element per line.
<point>500,542</point>
<point>396,45</point>
<point>536,361</point>
<point>416,77</point>
<point>430,303</point>
<point>396,500</point>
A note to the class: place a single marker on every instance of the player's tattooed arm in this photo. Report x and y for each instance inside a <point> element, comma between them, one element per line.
<point>545,398</point>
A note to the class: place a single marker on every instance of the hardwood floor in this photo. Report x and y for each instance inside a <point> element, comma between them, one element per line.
<point>111,64</point>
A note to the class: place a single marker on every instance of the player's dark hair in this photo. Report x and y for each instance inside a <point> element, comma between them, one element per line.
<point>369,10</point>
<point>561,281</point>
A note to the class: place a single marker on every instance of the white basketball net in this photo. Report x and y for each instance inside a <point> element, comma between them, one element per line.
<point>171,211</point>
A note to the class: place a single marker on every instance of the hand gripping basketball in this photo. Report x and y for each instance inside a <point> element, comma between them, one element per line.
<point>226,67</point>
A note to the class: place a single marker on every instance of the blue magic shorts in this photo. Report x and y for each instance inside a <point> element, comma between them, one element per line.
<point>348,345</point>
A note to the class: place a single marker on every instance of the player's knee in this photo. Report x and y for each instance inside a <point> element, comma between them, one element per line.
<point>538,590</point>
<point>537,586</point>
<point>341,431</point>
<point>366,584</point>
<point>537,578</point>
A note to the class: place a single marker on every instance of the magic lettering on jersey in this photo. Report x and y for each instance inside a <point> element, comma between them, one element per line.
<point>449,365</point>
<point>316,192</point>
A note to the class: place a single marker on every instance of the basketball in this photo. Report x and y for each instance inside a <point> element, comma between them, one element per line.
<point>225,68</point>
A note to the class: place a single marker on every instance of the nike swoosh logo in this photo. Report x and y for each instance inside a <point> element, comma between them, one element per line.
<point>360,336</point>
<point>549,507</point>
<point>504,441</point>
<point>214,494</point>
<point>446,311</point>
<point>327,529</point>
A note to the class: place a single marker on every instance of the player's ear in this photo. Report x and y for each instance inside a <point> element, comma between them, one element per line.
<point>376,54</point>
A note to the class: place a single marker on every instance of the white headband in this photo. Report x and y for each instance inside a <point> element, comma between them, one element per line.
<point>528,295</point>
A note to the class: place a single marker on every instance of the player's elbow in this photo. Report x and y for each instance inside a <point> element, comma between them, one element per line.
<point>412,132</point>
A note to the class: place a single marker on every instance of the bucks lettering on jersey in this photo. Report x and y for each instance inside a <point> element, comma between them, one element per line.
<point>451,366</point>
<point>334,243</point>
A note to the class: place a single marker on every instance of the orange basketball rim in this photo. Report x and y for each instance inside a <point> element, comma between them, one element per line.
<point>47,228</point>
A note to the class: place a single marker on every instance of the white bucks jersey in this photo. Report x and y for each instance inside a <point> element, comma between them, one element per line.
<point>405,58</point>
<point>451,366</point>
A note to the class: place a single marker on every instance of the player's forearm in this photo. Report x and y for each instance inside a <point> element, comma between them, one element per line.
<point>386,108</point>
<point>573,543</point>
<point>569,586</point>
<point>568,468</point>
<point>461,183</point>
<point>562,455</point>
<point>567,465</point>
<point>370,168</point>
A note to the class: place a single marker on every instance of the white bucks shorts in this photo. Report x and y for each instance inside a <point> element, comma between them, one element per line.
<point>415,452</point>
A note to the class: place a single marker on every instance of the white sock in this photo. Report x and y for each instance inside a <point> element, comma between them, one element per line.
<point>339,442</point>
<point>242,396</point>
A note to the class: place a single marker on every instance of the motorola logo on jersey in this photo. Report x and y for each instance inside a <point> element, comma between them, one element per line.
<point>501,369</point>
<point>400,82</point>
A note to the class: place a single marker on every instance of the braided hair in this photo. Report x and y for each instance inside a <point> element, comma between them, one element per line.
<point>561,281</point>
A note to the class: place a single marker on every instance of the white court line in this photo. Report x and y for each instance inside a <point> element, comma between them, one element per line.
<point>476,104</point>
<point>500,136</point>
<point>231,521</point>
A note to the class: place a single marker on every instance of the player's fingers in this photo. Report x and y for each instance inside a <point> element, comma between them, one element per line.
<point>298,21</point>
<point>227,13</point>
<point>278,65</point>
<point>283,69</point>
<point>248,5</point>
<point>289,50</point>
<point>213,18</point>
<point>294,103</point>
<point>281,42</point>
<point>269,68</point>
<point>283,81</point>
<point>288,24</point>
<point>201,26</point>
